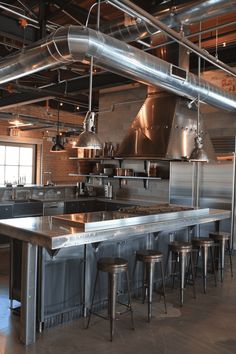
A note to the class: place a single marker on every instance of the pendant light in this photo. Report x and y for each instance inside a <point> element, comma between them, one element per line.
<point>58,145</point>
<point>88,139</point>
<point>198,154</point>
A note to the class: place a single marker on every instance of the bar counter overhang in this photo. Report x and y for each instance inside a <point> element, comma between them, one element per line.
<point>57,233</point>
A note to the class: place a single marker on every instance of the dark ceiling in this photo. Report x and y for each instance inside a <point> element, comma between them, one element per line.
<point>23,22</point>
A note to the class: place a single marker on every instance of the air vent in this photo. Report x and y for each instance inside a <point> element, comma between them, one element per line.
<point>224,144</point>
<point>178,72</point>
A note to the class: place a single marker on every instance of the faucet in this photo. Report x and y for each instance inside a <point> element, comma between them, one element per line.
<point>49,180</point>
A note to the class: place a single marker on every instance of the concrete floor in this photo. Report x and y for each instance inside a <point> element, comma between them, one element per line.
<point>206,325</point>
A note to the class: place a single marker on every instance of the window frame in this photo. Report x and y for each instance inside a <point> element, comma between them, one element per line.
<point>28,145</point>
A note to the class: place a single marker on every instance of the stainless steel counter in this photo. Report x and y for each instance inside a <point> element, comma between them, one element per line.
<point>45,232</point>
<point>55,234</point>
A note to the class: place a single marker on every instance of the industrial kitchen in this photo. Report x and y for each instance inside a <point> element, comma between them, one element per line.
<point>117,176</point>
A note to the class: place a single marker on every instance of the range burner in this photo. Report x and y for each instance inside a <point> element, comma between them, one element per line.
<point>154,209</point>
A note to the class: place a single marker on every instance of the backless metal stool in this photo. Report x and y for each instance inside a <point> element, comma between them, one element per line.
<point>223,238</point>
<point>182,254</point>
<point>113,267</point>
<point>149,258</point>
<point>203,244</point>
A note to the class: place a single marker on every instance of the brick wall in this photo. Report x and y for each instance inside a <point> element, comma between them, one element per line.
<point>58,164</point>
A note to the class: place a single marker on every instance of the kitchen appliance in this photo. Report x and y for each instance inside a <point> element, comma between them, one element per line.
<point>53,208</point>
<point>108,190</point>
<point>80,188</point>
<point>164,128</point>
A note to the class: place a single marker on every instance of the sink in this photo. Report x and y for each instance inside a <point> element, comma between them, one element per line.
<point>25,201</point>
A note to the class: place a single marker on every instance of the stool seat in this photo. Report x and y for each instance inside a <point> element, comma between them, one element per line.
<point>181,252</point>
<point>202,241</point>
<point>112,265</point>
<point>180,246</point>
<point>205,244</point>
<point>223,239</point>
<point>149,256</point>
<point>218,236</point>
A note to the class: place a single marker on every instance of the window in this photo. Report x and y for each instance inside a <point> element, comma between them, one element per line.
<point>17,163</point>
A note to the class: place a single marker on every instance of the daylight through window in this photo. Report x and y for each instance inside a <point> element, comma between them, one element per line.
<point>17,163</point>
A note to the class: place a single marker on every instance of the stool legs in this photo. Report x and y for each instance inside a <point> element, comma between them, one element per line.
<point>222,259</point>
<point>230,258</point>
<point>163,285</point>
<point>94,290</point>
<point>129,298</point>
<point>112,294</point>
<point>204,267</point>
<point>204,252</point>
<point>149,259</point>
<point>112,302</point>
<point>222,244</point>
<point>182,265</point>
<point>181,258</point>
<point>150,271</point>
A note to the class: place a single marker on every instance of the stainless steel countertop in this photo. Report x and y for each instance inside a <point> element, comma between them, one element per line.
<point>53,235</point>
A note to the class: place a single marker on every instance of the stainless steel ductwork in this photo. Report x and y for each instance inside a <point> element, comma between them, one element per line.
<point>135,11</point>
<point>175,17</point>
<point>73,43</point>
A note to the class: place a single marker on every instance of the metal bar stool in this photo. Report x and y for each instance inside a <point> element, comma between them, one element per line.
<point>113,267</point>
<point>149,258</point>
<point>203,244</point>
<point>222,238</point>
<point>182,252</point>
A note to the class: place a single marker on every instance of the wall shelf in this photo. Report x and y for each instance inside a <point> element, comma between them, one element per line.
<point>138,177</point>
<point>92,159</point>
<point>88,175</point>
<point>145,179</point>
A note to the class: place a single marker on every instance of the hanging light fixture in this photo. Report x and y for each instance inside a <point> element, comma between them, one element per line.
<point>198,154</point>
<point>58,145</point>
<point>88,139</point>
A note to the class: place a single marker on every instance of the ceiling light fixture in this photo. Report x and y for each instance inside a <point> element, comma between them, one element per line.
<point>88,139</point>
<point>58,144</point>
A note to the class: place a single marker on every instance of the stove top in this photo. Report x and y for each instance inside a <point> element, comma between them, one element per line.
<point>154,209</point>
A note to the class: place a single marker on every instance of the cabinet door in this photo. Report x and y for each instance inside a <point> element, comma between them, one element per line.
<point>100,205</point>
<point>86,206</point>
<point>5,211</point>
<point>80,206</point>
<point>115,206</point>
<point>71,207</point>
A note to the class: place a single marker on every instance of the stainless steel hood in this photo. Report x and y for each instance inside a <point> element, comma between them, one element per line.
<point>164,128</point>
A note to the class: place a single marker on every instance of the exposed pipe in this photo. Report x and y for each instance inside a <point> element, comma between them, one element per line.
<point>21,15</point>
<point>187,14</point>
<point>67,45</point>
<point>135,11</point>
<point>193,34</point>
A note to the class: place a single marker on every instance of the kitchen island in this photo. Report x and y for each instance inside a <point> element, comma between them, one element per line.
<point>55,233</point>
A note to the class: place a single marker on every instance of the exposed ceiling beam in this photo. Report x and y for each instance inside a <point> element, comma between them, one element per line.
<point>81,84</point>
<point>21,99</point>
<point>10,28</point>
<point>74,11</point>
<point>40,121</point>
<point>75,91</point>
